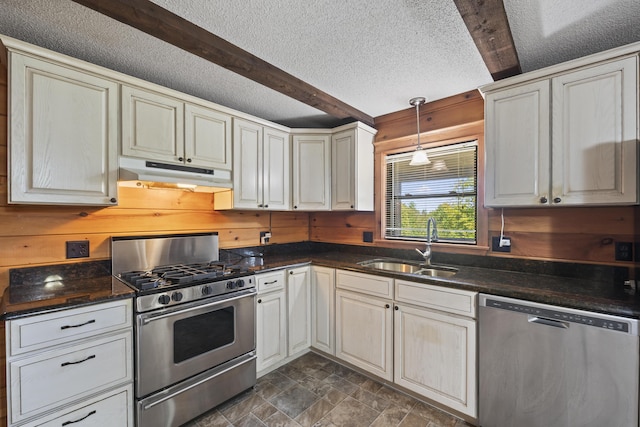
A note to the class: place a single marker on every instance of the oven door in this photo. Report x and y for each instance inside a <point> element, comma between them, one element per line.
<point>180,342</point>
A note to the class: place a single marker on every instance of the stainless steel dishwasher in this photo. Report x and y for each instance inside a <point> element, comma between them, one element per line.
<point>548,366</point>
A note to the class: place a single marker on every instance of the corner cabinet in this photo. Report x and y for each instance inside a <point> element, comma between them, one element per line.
<point>323,298</point>
<point>312,172</point>
<point>63,139</point>
<point>261,172</point>
<point>566,137</point>
<point>156,126</point>
<point>299,309</point>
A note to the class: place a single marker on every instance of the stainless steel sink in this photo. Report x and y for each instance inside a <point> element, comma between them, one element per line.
<point>401,266</point>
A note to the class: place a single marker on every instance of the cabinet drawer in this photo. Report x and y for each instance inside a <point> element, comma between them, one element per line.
<point>439,298</point>
<point>112,409</point>
<point>373,285</point>
<point>45,330</point>
<point>53,378</point>
<point>268,282</point>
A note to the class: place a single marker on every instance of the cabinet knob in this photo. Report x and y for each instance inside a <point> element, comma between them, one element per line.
<point>543,199</point>
<point>557,200</point>
<point>188,160</point>
<point>113,200</point>
<point>259,301</point>
<point>386,306</point>
<point>295,207</point>
<point>291,272</point>
<point>351,206</point>
<point>181,159</point>
<point>260,205</point>
<point>266,206</point>
<point>396,308</point>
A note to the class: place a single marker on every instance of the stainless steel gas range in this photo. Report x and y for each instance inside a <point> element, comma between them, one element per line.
<point>195,325</point>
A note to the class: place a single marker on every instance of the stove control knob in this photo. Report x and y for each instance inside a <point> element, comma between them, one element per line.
<point>176,296</point>
<point>239,283</point>
<point>164,299</point>
<point>206,290</point>
<point>231,285</point>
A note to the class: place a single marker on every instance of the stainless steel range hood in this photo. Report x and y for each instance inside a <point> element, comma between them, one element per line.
<point>157,172</point>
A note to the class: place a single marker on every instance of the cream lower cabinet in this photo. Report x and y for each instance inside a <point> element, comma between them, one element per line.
<point>364,322</point>
<point>71,365</point>
<point>271,319</point>
<point>435,344</point>
<point>323,309</point>
<point>63,134</point>
<point>299,309</point>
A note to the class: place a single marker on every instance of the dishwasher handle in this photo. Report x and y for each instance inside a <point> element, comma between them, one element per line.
<point>548,322</point>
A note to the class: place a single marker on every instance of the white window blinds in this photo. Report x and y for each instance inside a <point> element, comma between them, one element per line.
<point>445,189</point>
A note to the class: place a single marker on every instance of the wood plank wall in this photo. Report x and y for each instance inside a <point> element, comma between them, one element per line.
<point>584,235</point>
<point>36,235</point>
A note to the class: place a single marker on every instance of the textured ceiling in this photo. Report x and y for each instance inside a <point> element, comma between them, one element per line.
<point>373,55</point>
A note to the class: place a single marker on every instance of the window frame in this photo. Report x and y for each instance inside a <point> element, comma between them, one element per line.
<point>432,139</point>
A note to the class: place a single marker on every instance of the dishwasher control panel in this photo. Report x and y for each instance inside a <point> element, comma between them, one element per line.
<point>561,316</point>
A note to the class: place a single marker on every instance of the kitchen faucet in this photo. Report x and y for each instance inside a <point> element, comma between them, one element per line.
<point>432,235</point>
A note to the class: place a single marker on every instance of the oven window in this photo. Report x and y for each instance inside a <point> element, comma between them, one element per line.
<point>200,334</point>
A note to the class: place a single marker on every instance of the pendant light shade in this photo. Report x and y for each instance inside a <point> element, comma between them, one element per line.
<point>420,156</point>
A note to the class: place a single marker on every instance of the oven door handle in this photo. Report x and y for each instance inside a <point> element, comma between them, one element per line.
<point>148,320</point>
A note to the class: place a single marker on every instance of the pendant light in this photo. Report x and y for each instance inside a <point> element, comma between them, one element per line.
<point>420,155</point>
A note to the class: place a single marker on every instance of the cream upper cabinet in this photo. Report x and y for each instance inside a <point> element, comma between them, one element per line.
<point>261,172</point>
<point>566,138</point>
<point>159,127</point>
<point>352,168</point>
<point>299,309</point>
<point>594,133</point>
<point>63,140</point>
<point>517,147</point>
<point>312,172</point>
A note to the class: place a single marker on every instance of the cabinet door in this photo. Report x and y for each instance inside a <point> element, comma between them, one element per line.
<point>277,170</point>
<point>207,138</point>
<point>323,309</point>
<point>63,141</point>
<point>271,320</point>
<point>595,120</point>
<point>247,165</point>
<point>364,333</point>
<point>299,304</point>
<point>517,146</point>
<point>152,126</point>
<point>343,170</point>
<point>435,356</point>
<point>311,172</point>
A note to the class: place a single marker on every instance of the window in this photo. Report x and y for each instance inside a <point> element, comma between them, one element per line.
<point>445,189</point>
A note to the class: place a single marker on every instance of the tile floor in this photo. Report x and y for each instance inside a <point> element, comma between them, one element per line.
<point>315,391</point>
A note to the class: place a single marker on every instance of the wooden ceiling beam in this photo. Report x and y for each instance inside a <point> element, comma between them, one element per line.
<point>158,22</point>
<point>487,22</point>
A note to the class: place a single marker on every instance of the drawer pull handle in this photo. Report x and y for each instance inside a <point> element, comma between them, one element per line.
<point>93,356</point>
<point>271,282</point>
<point>66,423</point>
<point>77,326</point>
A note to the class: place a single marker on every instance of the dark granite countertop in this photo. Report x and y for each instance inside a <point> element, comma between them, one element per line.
<point>579,293</point>
<point>37,289</point>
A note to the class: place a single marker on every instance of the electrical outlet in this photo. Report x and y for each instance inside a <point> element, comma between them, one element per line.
<point>496,247</point>
<point>78,249</point>
<point>264,237</point>
<point>624,251</point>
<point>367,236</point>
